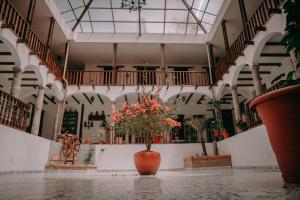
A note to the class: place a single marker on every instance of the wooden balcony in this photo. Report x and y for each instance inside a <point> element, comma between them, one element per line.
<point>256,23</point>
<point>13,112</point>
<point>132,78</point>
<point>12,19</point>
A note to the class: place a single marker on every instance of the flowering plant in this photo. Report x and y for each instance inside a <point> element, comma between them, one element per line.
<point>149,117</point>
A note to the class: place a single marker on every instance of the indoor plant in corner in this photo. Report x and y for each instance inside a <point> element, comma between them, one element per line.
<point>280,109</point>
<point>148,118</point>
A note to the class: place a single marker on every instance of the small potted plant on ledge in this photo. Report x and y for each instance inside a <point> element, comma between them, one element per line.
<point>148,118</point>
<point>280,109</point>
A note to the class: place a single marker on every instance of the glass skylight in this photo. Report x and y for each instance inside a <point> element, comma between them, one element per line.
<point>157,16</point>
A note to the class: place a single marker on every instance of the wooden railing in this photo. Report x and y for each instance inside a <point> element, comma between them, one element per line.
<point>13,112</point>
<point>256,23</point>
<point>12,19</point>
<point>131,78</point>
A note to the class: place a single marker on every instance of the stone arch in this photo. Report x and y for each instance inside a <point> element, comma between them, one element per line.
<point>39,74</point>
<point>237,72</point>
<point>13,50</point>
<point>107,98</point>
<point>260,46</point>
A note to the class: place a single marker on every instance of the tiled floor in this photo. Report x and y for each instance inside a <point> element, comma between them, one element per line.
<point>198,184</point>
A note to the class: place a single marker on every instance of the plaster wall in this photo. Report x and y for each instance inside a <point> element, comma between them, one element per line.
<point>20,151</point>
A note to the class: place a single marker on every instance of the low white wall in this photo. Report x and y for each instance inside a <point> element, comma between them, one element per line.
<point>119,157</point>
<point>251,148</point>
<point>21,151</point>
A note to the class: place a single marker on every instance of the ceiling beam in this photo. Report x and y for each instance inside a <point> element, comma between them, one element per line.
<point>260,72</point>
<point>176,99</point>
<point>35,96</point>
<point>82,14</point>
<point>194,15</point>
<point>200,100</point>
<point>189,98</point>
<point>50,99</point>
<point>87,98</point>
<point>275,55</point>
<point>100,99</point>
<point>269,64</point>
<point>75,99</point>
<point>25,79</point>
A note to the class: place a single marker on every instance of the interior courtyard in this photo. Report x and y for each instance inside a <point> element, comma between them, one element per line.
<point>71,70</point>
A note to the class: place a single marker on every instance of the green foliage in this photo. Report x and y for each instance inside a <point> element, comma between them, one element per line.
<point>217,115</point>
<point>291,39</point>
<point>89,155</point>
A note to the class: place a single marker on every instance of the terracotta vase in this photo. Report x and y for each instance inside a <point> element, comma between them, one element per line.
<point>280,112</point>
<point>147,162</point>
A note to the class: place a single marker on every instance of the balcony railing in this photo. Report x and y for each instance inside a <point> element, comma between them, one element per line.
<point>13,112</point>
<point>12,19</point>
<point>132,78</point>
<point>256,23</point>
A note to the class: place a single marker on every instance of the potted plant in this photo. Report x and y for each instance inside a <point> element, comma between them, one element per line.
<point>147,118</point>
<point>280,109</point>
<point>198,124</point>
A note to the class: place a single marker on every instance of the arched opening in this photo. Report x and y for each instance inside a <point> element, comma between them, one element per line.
<point>87,115</point>
<point>185,106</point>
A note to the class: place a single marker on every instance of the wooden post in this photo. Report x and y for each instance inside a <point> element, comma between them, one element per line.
<point>211,63</point>
<point>114,64</point>
<point>49,38</point>
<point>29,18</point>
<point>163,63</point>
<point>244,18</point>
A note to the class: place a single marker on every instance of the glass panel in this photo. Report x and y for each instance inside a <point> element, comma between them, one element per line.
<point>103,27</point>
<point>116,3</point>
<point>155,4</point>
<point>152,27</point>
<point>62,5</point>
<point>152,15</point>
<point>198,13</point>
<point>177,4</point>
<point>208,18</point>
<point>191,29</point>
<point>86,26</point>
<point>200,31</point>
<point>214,6</point>
<point>86,16</point>
<point>71,24</point>
<point>100,4</point>
<point>200,4</point>
<point>125,15</point>
<point>78,11</point>
<point>176,16</point>
<point>126,27</point>
<point>76,3</point>
<point>206,26</point>
<point>100,15</point>
<point>69,16</point>
<point>175,28</point>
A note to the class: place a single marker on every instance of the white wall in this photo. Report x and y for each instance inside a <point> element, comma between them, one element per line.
<point>20,151</point>
<point>120,157</point>
<point>249,149</point>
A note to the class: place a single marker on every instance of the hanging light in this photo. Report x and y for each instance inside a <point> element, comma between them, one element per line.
<point>132,5</point>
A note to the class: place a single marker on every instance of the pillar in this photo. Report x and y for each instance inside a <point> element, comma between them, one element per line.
<point>256,79</point>
<point>38,110</point>
<point>112,131</point>
<point>127,138</point>
<point>114,63</point>
<point>57,119</point>
<point>16,83</point>
<point>163,64</point>
<point>132,138</point>
<point>235,102</point>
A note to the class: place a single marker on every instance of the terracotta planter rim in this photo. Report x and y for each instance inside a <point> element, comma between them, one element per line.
<point>274,94</point>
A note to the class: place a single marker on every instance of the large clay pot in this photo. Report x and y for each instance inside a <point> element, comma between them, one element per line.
<point>280,112</point>
<point>147,162</point>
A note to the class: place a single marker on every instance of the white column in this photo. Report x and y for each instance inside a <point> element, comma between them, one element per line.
<point>127,138</point>
<point>256,79</point>
<point>235,102</point>
<point>16,83</point>
<point>132,138</point>
<point>57,119</point>
<point>38,110</point>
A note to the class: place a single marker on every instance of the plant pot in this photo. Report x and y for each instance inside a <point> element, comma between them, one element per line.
<point>147,162</point>
<point>280,112</point>
<point>225,134</point>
